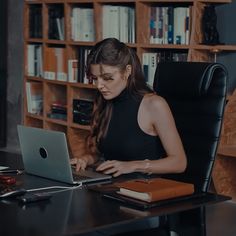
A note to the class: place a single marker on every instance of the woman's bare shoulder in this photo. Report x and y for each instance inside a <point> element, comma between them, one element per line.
<point>153,100</point>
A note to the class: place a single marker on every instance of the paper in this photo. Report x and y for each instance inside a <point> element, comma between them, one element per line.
<point>3,167</point>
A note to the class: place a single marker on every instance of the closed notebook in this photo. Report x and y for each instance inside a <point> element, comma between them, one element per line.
<point>150,190</point>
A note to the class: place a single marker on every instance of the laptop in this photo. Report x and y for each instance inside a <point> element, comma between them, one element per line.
<point>45,154</point>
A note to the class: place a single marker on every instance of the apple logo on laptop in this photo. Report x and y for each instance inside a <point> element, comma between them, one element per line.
<point>43,152</point>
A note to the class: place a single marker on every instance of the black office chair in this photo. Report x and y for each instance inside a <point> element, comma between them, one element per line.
<point>196,94</point>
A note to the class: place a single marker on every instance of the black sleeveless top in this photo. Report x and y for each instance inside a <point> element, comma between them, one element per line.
<point>125,141</point>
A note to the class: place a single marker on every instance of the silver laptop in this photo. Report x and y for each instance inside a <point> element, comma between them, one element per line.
<point>45,153</point>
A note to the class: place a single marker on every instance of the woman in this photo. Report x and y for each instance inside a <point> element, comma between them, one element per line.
<point>132,127</point>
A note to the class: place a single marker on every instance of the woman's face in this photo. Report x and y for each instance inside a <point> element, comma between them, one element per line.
<point>109,80</point>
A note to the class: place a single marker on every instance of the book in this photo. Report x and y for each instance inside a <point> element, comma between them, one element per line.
<point>180,25</point>
<point>50,63</point>
<point>58,111</point>
<point>56,22</point>
<point>61,64</point>
<point>34,60</point>
<point>82,111</point>
<point>155,189</point>
<point>34,96</point>
<point>82,24</point>
<point>152,65</point>
<point>35,21</point>
<point>73,70</point>
<point>55,63</point>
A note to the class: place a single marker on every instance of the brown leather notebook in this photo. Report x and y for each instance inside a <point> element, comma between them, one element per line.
<point>151,190</point>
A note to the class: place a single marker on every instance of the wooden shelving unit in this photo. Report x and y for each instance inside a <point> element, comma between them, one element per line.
<point>54,90</point>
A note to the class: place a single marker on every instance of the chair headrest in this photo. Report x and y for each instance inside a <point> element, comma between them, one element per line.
<point>191,79</point>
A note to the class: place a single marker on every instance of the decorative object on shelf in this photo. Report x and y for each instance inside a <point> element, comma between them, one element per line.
<point>82,111</point>
<point>209,29</point>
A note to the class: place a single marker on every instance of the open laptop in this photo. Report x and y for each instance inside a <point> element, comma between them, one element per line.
<point>45,153</point>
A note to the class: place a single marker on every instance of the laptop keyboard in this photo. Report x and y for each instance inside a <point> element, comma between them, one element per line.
<point>77,177</point>
<point>88,174</point>
<point>82,175</point>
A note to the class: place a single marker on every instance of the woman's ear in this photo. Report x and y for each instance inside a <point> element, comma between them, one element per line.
<point>128,71</point>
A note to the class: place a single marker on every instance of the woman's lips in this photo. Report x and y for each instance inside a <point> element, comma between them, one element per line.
<point>105,93</point>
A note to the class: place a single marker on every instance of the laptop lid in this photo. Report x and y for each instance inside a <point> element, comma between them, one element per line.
<point>45,153</point>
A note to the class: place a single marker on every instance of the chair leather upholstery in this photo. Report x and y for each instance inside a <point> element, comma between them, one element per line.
<point>196,94</point>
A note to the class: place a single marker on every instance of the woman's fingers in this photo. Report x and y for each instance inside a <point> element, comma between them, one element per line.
<point>81,164</point>
<point>105,165</point>
<point>111,167</point>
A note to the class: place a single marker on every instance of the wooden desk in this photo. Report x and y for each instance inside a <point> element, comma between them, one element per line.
<point>76,212</point>
<point>224,173</point>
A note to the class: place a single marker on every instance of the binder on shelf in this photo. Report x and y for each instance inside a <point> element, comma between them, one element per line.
<point>55,64</point>
<point>180,14</point>
<point>61,64</point>
<point>34,95</point>
<point>82,24</point>
<point>118,22</point>
<point>50,63</point>
<point>73,70</point>
<point>34,60</point>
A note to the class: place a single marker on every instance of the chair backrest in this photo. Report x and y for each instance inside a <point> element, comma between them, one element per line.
<point>195,92</point>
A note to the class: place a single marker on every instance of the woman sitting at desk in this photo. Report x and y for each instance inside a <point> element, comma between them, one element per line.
<point>132,127</point>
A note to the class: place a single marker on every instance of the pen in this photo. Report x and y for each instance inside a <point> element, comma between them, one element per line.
<point>13,171</point>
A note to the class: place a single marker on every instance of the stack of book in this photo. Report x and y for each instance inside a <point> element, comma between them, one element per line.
<point>82,111</point>
<point>58,111</point>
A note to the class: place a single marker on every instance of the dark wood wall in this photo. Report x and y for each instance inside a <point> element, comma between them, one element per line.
<point>3,71</point>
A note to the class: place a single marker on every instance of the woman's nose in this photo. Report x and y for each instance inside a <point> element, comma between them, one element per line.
<point>100,84</point>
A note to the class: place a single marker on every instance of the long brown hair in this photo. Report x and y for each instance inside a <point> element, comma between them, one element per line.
<point>112,52</point>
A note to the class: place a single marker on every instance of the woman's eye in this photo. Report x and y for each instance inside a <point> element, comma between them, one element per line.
<point>108,78</point>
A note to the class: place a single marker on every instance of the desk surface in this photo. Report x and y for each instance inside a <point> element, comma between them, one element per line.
<point>73,212</point>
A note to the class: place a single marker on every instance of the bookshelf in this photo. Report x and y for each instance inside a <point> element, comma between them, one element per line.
<point>53,40</point>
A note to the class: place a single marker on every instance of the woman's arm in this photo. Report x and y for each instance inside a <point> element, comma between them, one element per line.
<point>163,123</point>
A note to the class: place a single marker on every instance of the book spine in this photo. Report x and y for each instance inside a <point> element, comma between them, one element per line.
<point>73,70</point>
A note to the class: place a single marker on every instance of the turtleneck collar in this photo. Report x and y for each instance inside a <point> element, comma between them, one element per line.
<point>124,95</point>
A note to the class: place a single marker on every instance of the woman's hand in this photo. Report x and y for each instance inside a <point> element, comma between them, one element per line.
<point>116,168</point>
<point>81,164</point>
